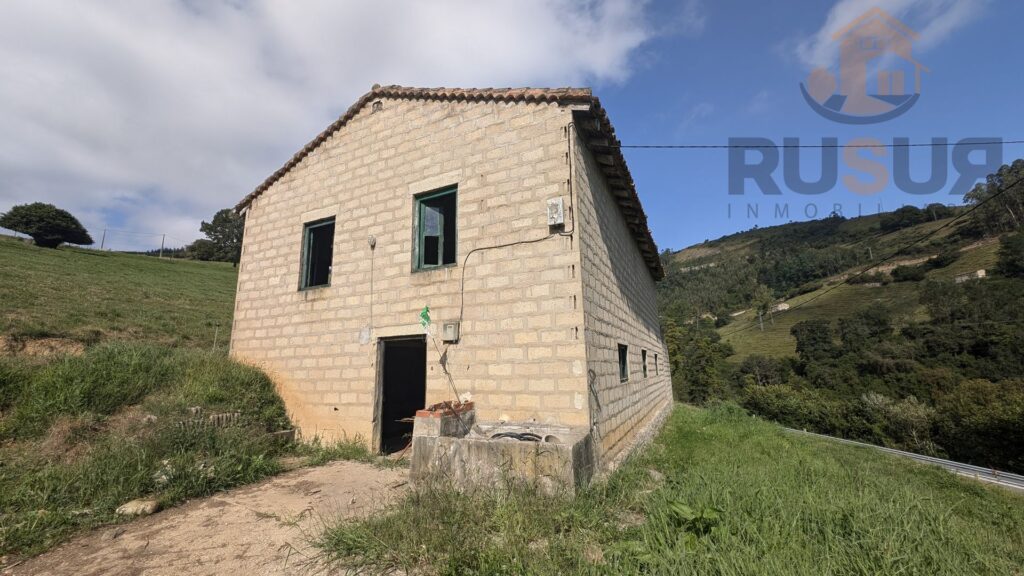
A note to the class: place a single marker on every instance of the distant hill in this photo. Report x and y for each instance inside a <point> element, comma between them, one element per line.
<point>805,265</point>
<point>903,329</point>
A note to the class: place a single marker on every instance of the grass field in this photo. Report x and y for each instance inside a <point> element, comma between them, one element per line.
<point>828,302</point>
<point>89,296</point>
<point>719,493</point>
<point>85,430</point>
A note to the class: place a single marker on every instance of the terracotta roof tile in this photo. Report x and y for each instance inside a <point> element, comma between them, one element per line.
<point>627,196</point>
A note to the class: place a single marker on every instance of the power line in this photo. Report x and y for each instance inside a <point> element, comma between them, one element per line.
<point>899,251</point>
<point>747,146</point>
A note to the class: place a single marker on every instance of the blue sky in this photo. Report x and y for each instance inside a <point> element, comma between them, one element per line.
<point>149,118</point>
<point>740,77</point>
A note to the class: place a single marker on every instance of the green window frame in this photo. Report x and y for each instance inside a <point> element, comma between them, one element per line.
<point>435,229</point>
<point>623,363</point>
<point>317,254</point>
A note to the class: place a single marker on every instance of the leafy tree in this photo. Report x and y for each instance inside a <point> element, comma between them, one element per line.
<point>1011,255</point>
<point>938,211</point>
<point>904,217</point>
<point>865,327</point>
<point>908,273</point>
<point>48,225</point>
<point>813,339</point>
<point>943,300</point>
<point>202,249</point>
<point>225,232</point>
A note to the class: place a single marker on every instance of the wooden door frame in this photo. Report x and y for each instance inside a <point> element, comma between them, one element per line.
<point>378,388</point>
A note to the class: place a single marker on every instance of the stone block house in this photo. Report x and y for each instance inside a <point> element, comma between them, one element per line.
<point>511,215</point>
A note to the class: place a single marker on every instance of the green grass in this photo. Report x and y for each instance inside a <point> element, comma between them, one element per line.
<point>84,434</point>
<point>89,295</point>
<point>828,302</point>
<point>729,495</point>
<point>981,258</point>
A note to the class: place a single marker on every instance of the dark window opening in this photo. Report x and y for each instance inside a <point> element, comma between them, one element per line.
<point>657,370</point>
<point>317,253</point>
<point>643,361</point>
<point>623,362</point>
<point>435,225</point>
<point>403,390</point>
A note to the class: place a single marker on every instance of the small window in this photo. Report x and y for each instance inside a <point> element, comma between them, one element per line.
<point>317,253</point>
<point>643,361</point>
<point>623,362</point>
<point>435,229</point>
<point>657,370</point>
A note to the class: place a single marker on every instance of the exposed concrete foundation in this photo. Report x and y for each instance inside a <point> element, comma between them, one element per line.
<point>448,445</point>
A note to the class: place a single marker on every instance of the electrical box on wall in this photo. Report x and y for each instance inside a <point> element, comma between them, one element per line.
<point>556,212</point>
<point>450,332</point>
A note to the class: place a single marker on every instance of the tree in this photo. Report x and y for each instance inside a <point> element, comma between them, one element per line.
<point>202,249</point>
<point>763,301</point>
<point>1011,255</point>
<point>813,339</point>
<point>866,327</point>
<point>904,217</point>
<point>48,225</point>
<point>225,231</point>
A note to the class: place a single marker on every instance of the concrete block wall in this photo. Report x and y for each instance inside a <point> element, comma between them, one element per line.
<point>620,306</point>
<point>522,353</point>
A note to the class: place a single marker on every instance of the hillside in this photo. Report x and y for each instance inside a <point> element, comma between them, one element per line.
<point>869,328</point>
<point>836,300</point>
<point>89,296</point>
<point>109,378</point>
<point>718,492</point>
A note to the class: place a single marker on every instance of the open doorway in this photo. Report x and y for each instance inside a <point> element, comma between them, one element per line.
<point>403,389</point>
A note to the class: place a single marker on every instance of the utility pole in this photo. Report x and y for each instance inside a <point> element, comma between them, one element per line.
<point>104,239</point>
<point>162,238</point>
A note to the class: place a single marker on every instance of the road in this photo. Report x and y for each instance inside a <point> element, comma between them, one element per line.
<point>1005,479</point>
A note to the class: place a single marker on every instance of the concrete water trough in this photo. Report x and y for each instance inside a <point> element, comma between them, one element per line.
<point>449,445</point>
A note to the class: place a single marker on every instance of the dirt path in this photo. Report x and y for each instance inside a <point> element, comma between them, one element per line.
<point>256,530</point>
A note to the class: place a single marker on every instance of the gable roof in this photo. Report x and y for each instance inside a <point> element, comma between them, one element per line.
<point>592,124</point>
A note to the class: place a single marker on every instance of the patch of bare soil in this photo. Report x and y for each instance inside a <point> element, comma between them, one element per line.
<point>263,529</point>
<point>41,347</point>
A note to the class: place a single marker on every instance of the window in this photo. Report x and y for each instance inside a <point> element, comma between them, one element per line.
<point>623,362</point>
<point>657,371</point>
<point>317,253</point>
<point>643,361</point>
<point>435,229</point>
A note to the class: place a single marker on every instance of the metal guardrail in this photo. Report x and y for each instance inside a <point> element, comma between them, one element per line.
<point>1005,479</point>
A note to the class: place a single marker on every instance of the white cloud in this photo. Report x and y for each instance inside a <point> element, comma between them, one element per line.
<point>696,113</point>
<point>933,20</point>
<point>153,115</point>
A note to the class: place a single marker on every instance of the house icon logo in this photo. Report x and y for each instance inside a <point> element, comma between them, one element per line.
<point>878,77</point>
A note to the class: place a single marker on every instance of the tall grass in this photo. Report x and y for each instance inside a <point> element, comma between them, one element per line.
<point>719,492</point>
<point>81,435</point>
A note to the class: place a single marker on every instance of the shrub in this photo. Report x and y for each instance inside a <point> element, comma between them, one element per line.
<point>48,225</point>
<point>813,339</point>
<point>908,273</point>
<point>1011,255</point>
<point>904,217</point>
<point>980,422</point>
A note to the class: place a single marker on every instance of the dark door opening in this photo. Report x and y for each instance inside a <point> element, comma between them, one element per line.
<point>403,389</point>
